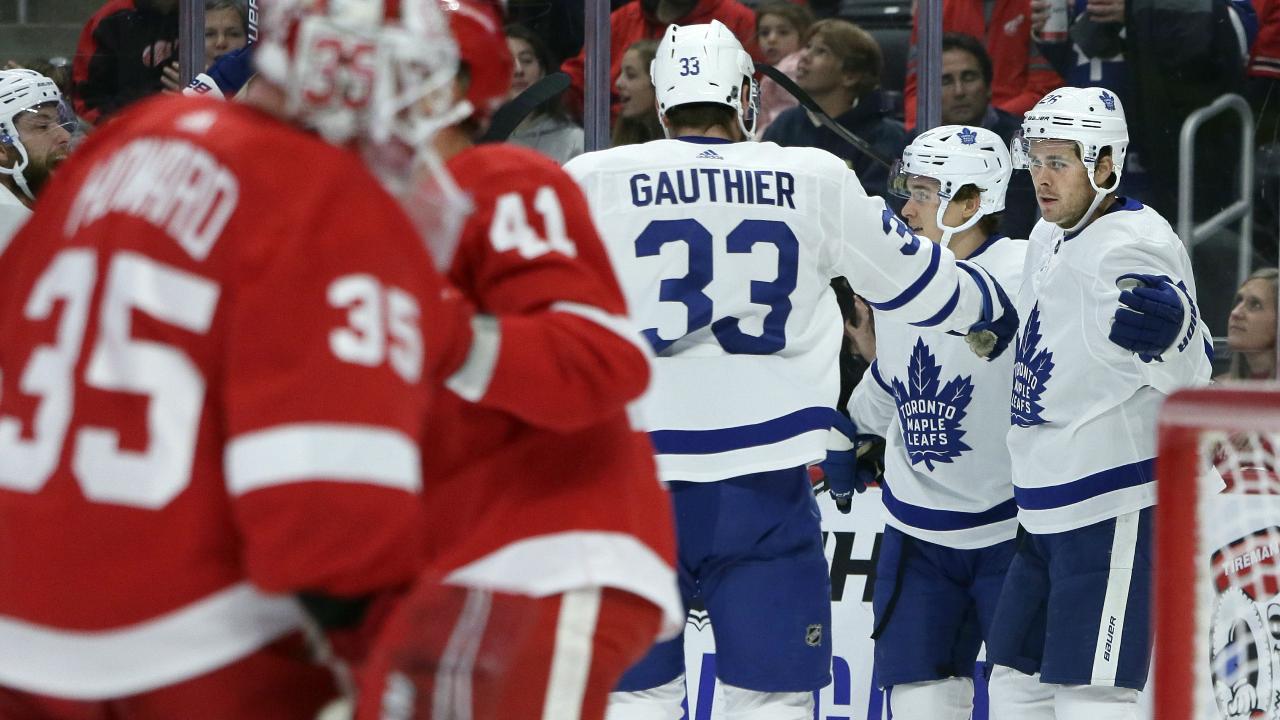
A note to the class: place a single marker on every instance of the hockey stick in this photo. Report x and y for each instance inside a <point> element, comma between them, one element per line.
<point>811,105</point>
<point>511,114</point>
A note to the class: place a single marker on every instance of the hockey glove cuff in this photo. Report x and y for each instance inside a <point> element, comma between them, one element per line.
<point>991,337</point>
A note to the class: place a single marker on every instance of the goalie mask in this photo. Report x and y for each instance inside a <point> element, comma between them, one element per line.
<point>705,64</point>
<point>375,70</point>
<point>380,74</point>
<point>23,93</point>
<point>1092,118</point>
<point>955,156</point>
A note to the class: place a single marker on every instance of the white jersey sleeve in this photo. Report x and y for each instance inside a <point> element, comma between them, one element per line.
<point>871,406</point>
<point>1083,409</point>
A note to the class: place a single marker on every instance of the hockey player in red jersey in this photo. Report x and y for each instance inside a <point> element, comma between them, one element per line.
<point>218,342</point>
<point>546,517</point>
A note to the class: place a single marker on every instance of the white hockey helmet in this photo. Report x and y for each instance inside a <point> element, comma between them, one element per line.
<point>956,156</point>
<point>362,69</point>
<point>1092,118</point>
<point>705,64</point>
<point>23,91</point>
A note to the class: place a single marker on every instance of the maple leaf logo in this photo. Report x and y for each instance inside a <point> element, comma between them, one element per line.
<point>930,416</point>
<point>1032,368</point>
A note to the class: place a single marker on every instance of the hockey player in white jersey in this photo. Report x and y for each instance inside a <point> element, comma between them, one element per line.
<point>947,490</point>
<point>725,250</point>
<point>1110,327</point>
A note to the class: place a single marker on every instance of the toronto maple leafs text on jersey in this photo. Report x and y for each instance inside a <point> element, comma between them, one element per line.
<point>943,412</point>
<point>1083,410</point>
<point>725,252</point>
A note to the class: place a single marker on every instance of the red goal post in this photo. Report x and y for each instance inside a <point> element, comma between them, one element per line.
<point>1218,555</point>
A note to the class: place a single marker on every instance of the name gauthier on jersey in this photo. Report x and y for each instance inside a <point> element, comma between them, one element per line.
<point>688,185</point>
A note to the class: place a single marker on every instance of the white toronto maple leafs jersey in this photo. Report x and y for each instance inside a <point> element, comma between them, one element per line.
<point>1083,409</point>
<point>725,252</point>
<point>942,411</point>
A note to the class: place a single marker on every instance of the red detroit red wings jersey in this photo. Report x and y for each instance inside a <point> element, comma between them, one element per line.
<point>217,336</point>
<point>541,487</point>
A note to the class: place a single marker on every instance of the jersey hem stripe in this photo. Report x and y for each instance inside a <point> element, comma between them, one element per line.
<point>190,641</point>
<point>705,442</point>
<point>1076,491</point>
<point>944,520</point>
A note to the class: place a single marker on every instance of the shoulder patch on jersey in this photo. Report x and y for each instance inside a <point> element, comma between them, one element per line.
<point>931,416</point>
<point>1032,367</point>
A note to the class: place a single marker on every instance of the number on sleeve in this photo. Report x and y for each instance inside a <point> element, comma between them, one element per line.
<point>510,229</point>
<point>374,314</point>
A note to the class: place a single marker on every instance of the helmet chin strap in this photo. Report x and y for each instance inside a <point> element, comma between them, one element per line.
<point>15,172</point>
<point>1098,196</point>
<point>947,230</point>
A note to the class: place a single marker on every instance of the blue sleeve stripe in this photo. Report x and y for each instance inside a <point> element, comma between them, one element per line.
<point>945,520</point>
<point>916,287</point>
<point>707,442</point>
<point>942,314</point>
<point>875,374</point>
<point>1057,496</point>
<point>988,308</point>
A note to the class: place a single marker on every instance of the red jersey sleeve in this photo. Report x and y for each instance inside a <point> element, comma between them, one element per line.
<point>338,328</point>
<point>555,347</point>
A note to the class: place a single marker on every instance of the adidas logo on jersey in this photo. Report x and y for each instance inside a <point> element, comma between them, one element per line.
<point>709,154</point>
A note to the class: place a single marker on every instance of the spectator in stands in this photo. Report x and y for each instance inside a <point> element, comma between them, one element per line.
<point>638,116</point>
<point>1164,61</point>
<point>548,128</point>
<point>648,20</point>
<point>966,100</point>
<point>1020,75</point>
<point>122,53</point>
<point>780,26</point>
<point>35,137</point>
<point>1251,329</point>
<point>226,29</point>
<point>840,68</point>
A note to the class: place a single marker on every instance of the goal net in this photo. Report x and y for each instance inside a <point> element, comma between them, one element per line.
<point>1218,556</point>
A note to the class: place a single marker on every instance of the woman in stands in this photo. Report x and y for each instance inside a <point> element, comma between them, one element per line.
<point>638,116</point>
<point>548,128</point>
<point>1251,329</point>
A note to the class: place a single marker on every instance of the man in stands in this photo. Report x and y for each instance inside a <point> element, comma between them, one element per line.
<point>542,490</point>
<point>647,20</point>
<point>840,68</point>
<point>35,137</point>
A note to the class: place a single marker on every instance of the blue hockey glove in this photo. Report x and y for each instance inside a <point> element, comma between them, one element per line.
<point>845,471</point>
<point>1149,317</point>
<point>989,338</point>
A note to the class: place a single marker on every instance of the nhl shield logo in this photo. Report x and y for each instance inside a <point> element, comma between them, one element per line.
<point>967,136</point>
<point>813,635</point>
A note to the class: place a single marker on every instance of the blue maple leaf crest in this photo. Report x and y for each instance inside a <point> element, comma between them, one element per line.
<point>930,416</point>
<point>967,136</point>
<point>1032,368</point>
<point>1108,100</point>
